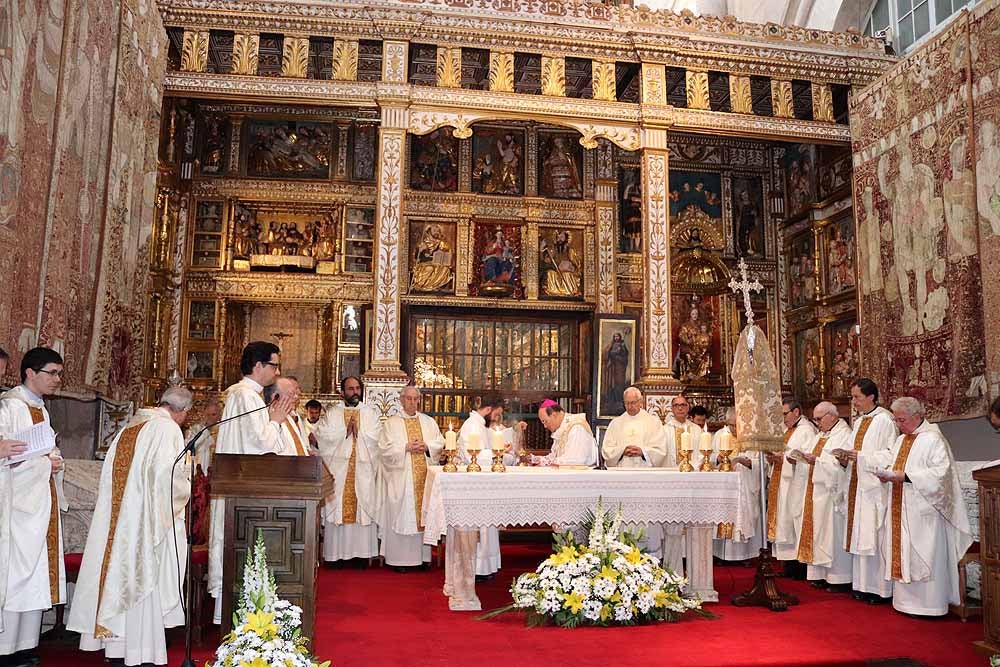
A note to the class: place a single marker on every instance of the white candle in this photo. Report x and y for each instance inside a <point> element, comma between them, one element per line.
<point>497,441</point>
<point>725,442</point>
<point>686,442</point>
<point>450,441</point>
<point>474,442</point>
<point>706,441</point>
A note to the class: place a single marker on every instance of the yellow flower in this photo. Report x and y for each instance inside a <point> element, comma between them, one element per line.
<point>257,662</point>
<point>605,612</point>
<point>663,598</point>
<point>608,573</point>
<point>573,602</point>
<point>617,597</point>
<point>260,624</point>
<point>634,556</point>
<point>566,555</point>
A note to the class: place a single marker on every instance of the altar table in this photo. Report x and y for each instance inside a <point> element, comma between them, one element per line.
<point>456,505</point>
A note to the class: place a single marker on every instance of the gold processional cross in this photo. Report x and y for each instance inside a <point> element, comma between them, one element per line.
<point>745,286</point>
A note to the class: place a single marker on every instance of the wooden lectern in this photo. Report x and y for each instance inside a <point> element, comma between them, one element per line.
<point>280,496</point>
<point>989,542</point>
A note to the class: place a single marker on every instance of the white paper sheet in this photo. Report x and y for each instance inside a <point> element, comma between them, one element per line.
<point>40,438</point>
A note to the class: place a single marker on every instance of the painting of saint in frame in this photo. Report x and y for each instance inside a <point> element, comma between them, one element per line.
<point>615,363</point>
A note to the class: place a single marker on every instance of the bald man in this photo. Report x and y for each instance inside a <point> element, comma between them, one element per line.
<point>294,437</point>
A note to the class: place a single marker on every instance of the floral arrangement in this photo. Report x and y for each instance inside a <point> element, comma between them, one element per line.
<point>607,581</point>
<point>267,632</point>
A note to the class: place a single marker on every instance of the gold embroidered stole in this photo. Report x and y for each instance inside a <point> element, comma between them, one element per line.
<point>897,507</point>
<point>677,442</point>
<point>293,428</point>
<point>418,464</point>
<point>349,506</point>
<point>122,465</point>
<point>805,554</point>
<point>852,491</point>
<point>52,535</point>
<point>772,492</point>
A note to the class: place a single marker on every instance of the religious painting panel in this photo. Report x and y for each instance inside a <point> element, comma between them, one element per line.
<point>838,255</point>
<point>434,161</point>
<point>843,357</point>
<point>273,235</point>
<point>432,256</point>
<point>800,178</point>
<point>199,365</point>
<point>214,144</point>
<point>365,142</point>
<point>348,364</point>
<point>697,353</point>
<point>921,273</point>
<point>808,384</point>
<point>496,259</point>
<point>201,320</point>
<point>748,216</point>
<point>560,263</point>
<point>350,325</point>
<point>629,208</point>
<point>616,353</point>
<point>702,190</point>
<point>289,149</point>
<point>498,160</point>
<point>800,267</point>
<point>834,171</point>
<point>560,165</point>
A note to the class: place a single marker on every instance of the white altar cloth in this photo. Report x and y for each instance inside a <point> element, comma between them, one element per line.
<point>458,504</point>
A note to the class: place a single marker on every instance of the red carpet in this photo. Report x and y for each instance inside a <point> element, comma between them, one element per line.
<point>380,617</point>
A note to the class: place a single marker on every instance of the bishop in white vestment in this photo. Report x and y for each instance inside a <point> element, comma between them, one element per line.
<point>821,526</point>
<point>258,432</point>
<point>787,484</point>
<point>348,442</point>
<point>410,441</point>
<point>128,591</point>
<point>32,573</point>
<point>678,424</point>
<point>874,431</point>
<point>573,443</point>
<point>926,530</point>
<point>731,544</point>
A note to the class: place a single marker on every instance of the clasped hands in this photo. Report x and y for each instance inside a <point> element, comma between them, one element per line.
<point>416,447</point>
<point>280,408</point>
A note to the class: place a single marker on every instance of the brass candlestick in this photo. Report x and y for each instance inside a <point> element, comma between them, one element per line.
<point>451,465</point>
<point>498,465</point>
<point>473,464</point>
<point>706,461</point>
<point>685,465</point>
<point>724,464</point>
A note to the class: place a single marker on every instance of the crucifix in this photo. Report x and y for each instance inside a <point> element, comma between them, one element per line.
<point>745,286</point>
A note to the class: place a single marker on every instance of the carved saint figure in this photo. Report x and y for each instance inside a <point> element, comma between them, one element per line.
<point>748,217</point>
<point>560,266</point>
<point>432,261</point>
<point>694,355</point>
<point>631,212</point>
<point>560,172</point>
<point>213,147</point>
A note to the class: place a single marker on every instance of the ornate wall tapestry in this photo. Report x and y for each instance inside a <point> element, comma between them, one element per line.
<point>289,149</point>
<point>498,161</point>
<point>629,209</point>
<point>496,261</point>
<point>434,161</point>
<point>560,165</point>
<point>748,216</point>
<point>432,257</point>
<point>921,305</point>
<point>560,263</point>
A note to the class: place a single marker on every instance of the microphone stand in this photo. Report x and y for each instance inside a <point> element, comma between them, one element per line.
<point>188,593</point>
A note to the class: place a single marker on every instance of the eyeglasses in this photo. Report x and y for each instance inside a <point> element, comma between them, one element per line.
<point>57,374</point>
<point>271,363</point>
<point>785,413</point>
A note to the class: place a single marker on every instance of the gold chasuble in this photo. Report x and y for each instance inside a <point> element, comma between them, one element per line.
<point>124,454</point>
<point>852,490</point>
<point>772,492</point>
<point>805,554</point>
<point>897,507</point>
<point>350,499</point>
<point>52,536</point>
<point>418,464</point>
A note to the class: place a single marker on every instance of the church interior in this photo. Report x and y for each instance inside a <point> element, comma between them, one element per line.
<point>545,199</point>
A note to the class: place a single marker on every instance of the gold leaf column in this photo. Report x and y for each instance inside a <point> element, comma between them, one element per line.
<point>605,206</point>
<point>501,72</point>
<point>697,90</point>
<point>345,60</point>
<point>246,51</point>
<point>554,76</point>
<point>194,51</point>
<point>822,102</point>
<point>449,67</point>
<point>740,98</point>
<point>603,80</point>
<point>781,99</point>
<point>295,57</point>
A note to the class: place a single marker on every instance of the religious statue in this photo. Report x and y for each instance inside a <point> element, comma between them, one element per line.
<point>435,162</point>
<point>497,165</point>
<point>245,241</point>
<point>560,266</point>
<point>498,264</point>
<point>560,171</point>
<point>432,261</point>
<point>295,149</point>
<point>748,219</point>
<point>615,376</point>
<point>631,211</point>
<point>694,354</point>
<point>841,258</point>
<point>213,148</point>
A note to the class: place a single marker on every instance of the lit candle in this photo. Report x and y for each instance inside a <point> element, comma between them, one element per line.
<point>497,440</point>
<point>450,440</point>
<point>706,441</point>
<point>686,442</point>
<point>725,442</point>
<point>474,442</point>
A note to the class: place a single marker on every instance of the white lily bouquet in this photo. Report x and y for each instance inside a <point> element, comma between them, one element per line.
<point>267,631</point>
<point>607,581</point>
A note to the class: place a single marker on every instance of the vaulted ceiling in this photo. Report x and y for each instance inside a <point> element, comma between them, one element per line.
<point>820,14</point>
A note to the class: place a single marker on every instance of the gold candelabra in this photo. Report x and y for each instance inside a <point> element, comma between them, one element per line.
<point>473,464</point>
<point>685,465</point>
<point>498,465</point>
<point>724,463</point>
<point>706,460</point>
<point>452,464</point>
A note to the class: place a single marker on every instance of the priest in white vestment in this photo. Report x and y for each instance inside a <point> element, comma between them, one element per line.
<point>128,590</point>
<point>821,526</point>
<point>573,443</point>
<point>259,432</point>
<point>730,544</point>
<point>636,439</point>
<point>678,424</point>
<point>348,442</point>
<point>926,530</point>
<point>314,412</point>
<point>874,431</point>
<point>294,439</point>
<point>32,573</point>
<point>475,434</point>
<point>787,483</point>
<point>410,441</point>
